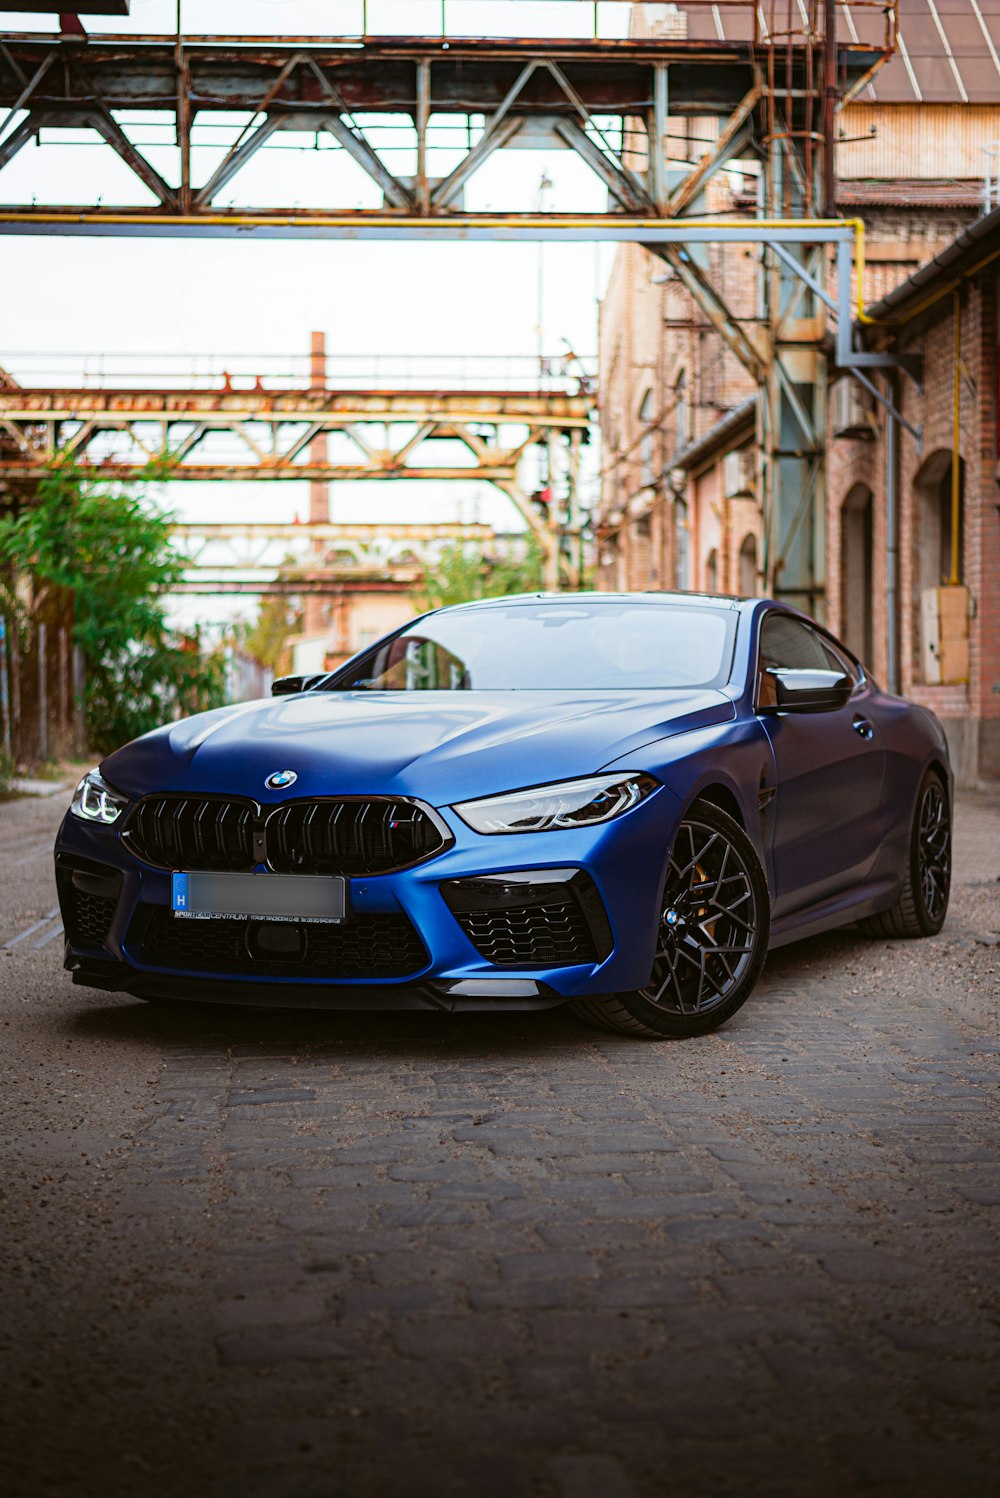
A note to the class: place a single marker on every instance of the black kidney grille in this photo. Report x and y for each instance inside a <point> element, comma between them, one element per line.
<point>193,832</point>
<point>367,945</point>
<point>530,935</point>
<point>351,837</point>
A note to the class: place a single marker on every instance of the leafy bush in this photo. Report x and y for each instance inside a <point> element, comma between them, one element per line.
<point>110,545</point>
<point>461,574</point>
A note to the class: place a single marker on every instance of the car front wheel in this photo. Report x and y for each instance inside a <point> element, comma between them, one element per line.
<point>711,938</point>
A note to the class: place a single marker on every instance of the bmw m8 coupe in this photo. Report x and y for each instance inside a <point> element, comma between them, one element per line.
<point>619,802</point>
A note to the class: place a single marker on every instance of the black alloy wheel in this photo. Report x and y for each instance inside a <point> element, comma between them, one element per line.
<point>711,939</point>
<point>934,851</point>
<point>923,900</point>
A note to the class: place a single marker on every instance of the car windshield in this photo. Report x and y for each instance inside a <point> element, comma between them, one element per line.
<point>550,646</point>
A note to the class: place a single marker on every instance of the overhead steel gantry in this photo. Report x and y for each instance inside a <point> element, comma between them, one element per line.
<point>314,434</point>
<point>772,72</point>
<point>318,558</point>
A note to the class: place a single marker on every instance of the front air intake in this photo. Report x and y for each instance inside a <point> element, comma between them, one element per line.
<point>538,918</point>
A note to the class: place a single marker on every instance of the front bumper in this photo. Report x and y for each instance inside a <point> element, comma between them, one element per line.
<point>624,864</point>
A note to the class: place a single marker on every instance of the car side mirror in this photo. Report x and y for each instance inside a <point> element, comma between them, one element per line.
<point>810,691</point>
<point>285,685</point>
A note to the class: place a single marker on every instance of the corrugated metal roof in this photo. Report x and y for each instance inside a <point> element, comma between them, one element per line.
<point>905,193</point>
<point>964,251</point>
<point>949,53</point>
<point>738,422</point>
<point>949,50</point>
<point>902,192</point>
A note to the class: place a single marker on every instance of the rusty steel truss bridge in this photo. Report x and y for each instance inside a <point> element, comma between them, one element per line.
<point>318,435</point>
<point>772,73</point>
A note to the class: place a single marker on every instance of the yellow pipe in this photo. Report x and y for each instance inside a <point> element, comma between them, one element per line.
<point>333,221</point>
<point>956,396</point>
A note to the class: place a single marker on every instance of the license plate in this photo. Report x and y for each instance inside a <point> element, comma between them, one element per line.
<point>315,898</point>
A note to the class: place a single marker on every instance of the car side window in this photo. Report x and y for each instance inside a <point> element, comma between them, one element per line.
<point>788,644</point>
<point>837,661</point>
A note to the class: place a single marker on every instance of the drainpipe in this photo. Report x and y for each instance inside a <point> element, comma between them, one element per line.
<point>829,107</point>
<point>956,401</point>
<point>892,539</point>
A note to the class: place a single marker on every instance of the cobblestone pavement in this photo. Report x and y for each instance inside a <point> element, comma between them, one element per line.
<point>343,1256</point>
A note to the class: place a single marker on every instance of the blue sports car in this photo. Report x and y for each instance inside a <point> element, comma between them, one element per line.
<point>616,801</point>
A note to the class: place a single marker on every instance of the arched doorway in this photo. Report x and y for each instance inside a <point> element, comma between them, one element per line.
<point>935,520</point>
<point>748,566</point>
<point>856,545</point>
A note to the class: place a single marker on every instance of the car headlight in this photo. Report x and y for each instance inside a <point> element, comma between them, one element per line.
<point>95,801</point>
<point>550,808</point>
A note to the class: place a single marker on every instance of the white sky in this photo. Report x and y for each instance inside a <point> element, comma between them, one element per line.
<point>152,297</point>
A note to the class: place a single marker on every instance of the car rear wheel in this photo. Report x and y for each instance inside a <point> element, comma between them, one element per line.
<point>923,901</point>
<point>711,938</point>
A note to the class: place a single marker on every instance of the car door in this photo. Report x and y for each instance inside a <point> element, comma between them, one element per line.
<point>829,772</point>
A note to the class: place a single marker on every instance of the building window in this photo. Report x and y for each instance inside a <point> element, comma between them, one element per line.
<point>682,411</point>
<point>681,544</point>
<point>748,566</point>
<point>856,545</point>
<point>648,476</point>
<point>934,491</point>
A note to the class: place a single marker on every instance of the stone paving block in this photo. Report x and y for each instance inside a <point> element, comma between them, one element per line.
<point>644,1292</point>
<point>297,1308</point>
<point>476,1191</point>
<point>396,1300</point>
<point>535,1265</point>
<point>590,1475</point>
<point>514,1295</point>
<point>464,1338</point>
<point>425,1214</point>
<point>570,1232</point>
<point>602,1334</point>
<point>282,1344</point>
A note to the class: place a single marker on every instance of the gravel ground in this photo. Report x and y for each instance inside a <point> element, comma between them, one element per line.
<point>322,1256</point>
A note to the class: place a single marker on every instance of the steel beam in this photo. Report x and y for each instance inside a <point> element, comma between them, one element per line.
<point>610,228</point>
<point>113,468</point>
<point>573,84</point>
<point>400,534</point>
<point>314,586</point>
<point>329,408</point>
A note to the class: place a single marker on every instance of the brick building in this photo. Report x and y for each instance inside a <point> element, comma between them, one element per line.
<point>926,611</point>
<point>678,412</point>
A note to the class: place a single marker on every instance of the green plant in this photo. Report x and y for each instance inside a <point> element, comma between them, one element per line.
<point>266,638</point>
<point>109,544</point>
<point>461,573</point>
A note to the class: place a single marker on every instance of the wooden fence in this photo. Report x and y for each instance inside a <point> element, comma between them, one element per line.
<point>41,673</point>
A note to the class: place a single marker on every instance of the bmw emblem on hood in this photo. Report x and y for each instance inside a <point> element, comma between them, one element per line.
<point>281,780</point>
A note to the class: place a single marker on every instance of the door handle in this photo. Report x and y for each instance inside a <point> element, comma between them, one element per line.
<point>864,727</point>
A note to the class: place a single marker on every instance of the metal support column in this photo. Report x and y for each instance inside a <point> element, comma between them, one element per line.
<point>794,395</point>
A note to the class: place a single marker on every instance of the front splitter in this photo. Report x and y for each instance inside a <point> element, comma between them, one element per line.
<point>117,978</point>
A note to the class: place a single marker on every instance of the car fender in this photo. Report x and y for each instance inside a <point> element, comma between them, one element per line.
<point>735,755</point>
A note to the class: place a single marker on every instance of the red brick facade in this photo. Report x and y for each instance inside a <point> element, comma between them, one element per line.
<point>970,710</point>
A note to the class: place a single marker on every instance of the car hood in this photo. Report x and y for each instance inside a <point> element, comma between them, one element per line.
<point>439,746</point>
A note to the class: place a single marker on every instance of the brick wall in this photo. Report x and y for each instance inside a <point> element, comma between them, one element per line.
<point>970,711</point>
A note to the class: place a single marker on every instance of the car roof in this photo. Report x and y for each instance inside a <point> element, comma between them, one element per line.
<point>700,600</point>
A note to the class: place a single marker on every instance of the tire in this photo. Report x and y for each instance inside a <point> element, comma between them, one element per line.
<point>923,900</point>
<point>714,879</point>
